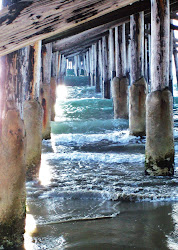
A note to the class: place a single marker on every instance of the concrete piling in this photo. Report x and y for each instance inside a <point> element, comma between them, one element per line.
<point>33,117</point>
<point>159,113</point>
<point>159,158</point>
<point>137,107</point>
<point>120,97</point>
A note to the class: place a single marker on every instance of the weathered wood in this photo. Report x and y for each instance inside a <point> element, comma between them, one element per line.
<point>86,36</point>
<point>59,67</point>
<point>113,16</point>
<point>84,64</point>
<point>33,115</point>
<point>81,47</point>
<point>112,72</point>
<point>149,59</point>
<point>45,89</point>
<point>95,58</point>
<point>97,69</point>
<point>160,32</point>
<point>137,46</point>
<point>100,63</point>
<point>170,61</point>
<point>34,71</point>
<point>87,63</point>
<point>13,81</point>
<point>92,65</point>
<point>53,83</point>
<point>25,22</point>
<point>159,155</point>
<point>54,64</point>
<point>128,58</point>
<point>117,51</point>
<point>120,45</point>
<point>63,68</point>
<point>146,60</point>
<point>46,63</point>
<point>75,65</point>
<point>106,82</point>
<point>175,53</point>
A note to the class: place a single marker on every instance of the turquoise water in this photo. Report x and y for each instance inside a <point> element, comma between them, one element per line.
<point>92,192</point>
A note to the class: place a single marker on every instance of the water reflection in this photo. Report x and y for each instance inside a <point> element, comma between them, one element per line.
<point>172,239</point>
<point>30,229</point>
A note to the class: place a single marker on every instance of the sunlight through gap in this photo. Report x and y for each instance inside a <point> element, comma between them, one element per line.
<point>62,92</point>
<point>45,172</point>
<point>62,95</point>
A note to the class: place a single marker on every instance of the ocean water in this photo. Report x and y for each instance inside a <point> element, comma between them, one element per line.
<point>92,192</point>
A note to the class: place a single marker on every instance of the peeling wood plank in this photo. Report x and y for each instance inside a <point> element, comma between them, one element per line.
<point>114,16</point>
<point>26,22</point>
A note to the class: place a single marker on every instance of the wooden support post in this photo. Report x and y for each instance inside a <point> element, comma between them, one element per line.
<point>117,52</point>
<point>120,44</point>
<point>59,68</point>
<point>159,159</point>
<point>146,59</point>
<point>97,68</point>
<point>112,71</point>
<point>53,83</point>
<point>120,82</point>
<point>149,48</point>
<point>100,64</point>
<point>106,82</point>
<point>45,90</point>
<point>33,115</point>
<point>87,63</point>
<point>93,65</point>
<point>170,61</point>
<point>84,64</point>
<point>63,68</point>
<point>138,89</point>
<point>175,53</point>
<point>128,58</point>
<point>137,46</point>
<point>90,64</point>
<point>13,80</point>
<point>75,65</point>
<point>79,65</point>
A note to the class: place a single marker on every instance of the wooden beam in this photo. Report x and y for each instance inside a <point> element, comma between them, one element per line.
<point>26,22</point>
<point>71,44</point>
<point>81,47</point>
<point>75,54</point>
<point>115,16</point>
<point>85,36</point>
